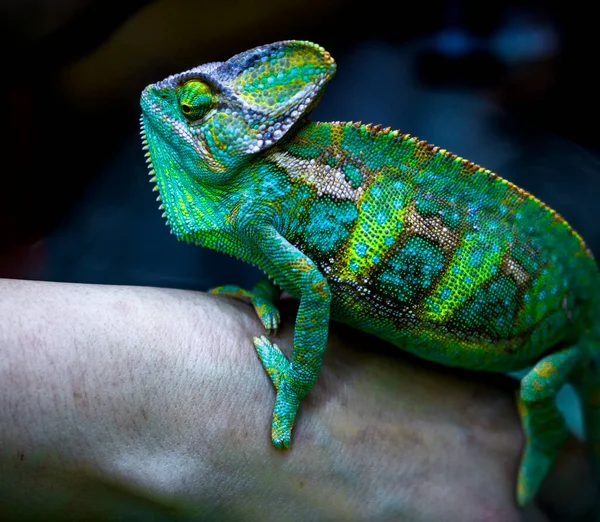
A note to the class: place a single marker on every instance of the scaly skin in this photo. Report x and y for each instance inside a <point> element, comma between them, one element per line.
<point>378,230</point>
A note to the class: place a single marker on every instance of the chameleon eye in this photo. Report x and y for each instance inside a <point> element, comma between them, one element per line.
<point>195,99</point>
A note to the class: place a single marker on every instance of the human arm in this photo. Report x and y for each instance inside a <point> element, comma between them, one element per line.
<point>151,402</point>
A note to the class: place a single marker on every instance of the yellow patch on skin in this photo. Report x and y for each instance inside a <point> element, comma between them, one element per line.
<point>301,264</point>
<point>261,308</point>
<point>231,217</point>
<point>440,308</point>
<point>521,407</point>
<point>183,207</point>
<point>545,369</point>
<point>537,385</point>
<point>319,288</point>
<point>521,489</point>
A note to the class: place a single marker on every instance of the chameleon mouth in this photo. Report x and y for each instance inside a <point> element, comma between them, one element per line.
<point>151,171</point>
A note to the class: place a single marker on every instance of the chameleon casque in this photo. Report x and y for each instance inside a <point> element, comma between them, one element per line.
<point>378,230</point>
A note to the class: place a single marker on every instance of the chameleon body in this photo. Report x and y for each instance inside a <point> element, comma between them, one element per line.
<point>378,230</point>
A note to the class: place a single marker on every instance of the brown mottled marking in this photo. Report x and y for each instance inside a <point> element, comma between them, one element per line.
<point>432,228</point>
<point>321,177</point>
<point>511,267</point>
<point>319,288</point>
<point>473,168</point>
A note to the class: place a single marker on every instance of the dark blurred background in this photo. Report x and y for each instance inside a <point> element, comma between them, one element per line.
<point>509,85</point>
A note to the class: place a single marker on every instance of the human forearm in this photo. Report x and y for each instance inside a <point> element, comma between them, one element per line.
<point>149,401</point>
<point>125,382</point>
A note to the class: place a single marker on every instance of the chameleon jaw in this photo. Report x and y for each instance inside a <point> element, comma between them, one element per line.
<point>151,171</point>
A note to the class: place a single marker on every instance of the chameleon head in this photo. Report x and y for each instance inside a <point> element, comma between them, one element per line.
<point>203,126</point>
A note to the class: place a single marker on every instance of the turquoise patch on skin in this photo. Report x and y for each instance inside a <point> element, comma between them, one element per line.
<point>312,147</point>
<point>451,218</point>
<point>412,269</point>
<point>446,293</point>
<point>361,249</point>
<point>398,185</point>
<point>476,259</point>
<point>304,150</point>
<point>275,184</point>
<point>330,226</point>
<point>353,175</point>
<point>427,207</point>
<point>522,255</point>
<point>360,139</point>
<point>492,309</point>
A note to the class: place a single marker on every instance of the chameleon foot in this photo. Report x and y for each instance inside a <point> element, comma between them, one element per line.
<point>545,428</point>
<point>534,467</point>
<point>288,400</point>
<point>265,309</point>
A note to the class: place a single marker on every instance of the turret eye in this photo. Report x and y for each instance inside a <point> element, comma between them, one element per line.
<point>195,99</point>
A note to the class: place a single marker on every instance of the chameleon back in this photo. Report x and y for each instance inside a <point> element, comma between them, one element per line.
<point>428,250</point>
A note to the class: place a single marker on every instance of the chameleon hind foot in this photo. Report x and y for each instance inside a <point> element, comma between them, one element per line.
<point>535,464</point>
<point>262,297</point>
<point>288,400</point>
<point>545,428</point>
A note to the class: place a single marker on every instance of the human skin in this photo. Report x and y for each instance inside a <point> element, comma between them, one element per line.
<point>149,404</point>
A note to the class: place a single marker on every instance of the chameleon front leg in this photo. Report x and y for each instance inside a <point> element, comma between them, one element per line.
<point>262,296</point>
<point>293,380</point>
<point>544,426</point>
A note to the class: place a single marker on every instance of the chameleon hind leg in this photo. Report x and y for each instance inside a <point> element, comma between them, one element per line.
<point>544,426</point>
<point>587,384</point>
<point>262,296</point>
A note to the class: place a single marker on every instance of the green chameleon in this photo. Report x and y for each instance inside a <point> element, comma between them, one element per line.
<point>378,230</point>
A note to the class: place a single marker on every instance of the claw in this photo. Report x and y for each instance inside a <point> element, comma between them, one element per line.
<point>287,402</point>
<point>267,311</point>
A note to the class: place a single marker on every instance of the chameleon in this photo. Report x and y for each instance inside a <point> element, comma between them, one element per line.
<point>378,230</point>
